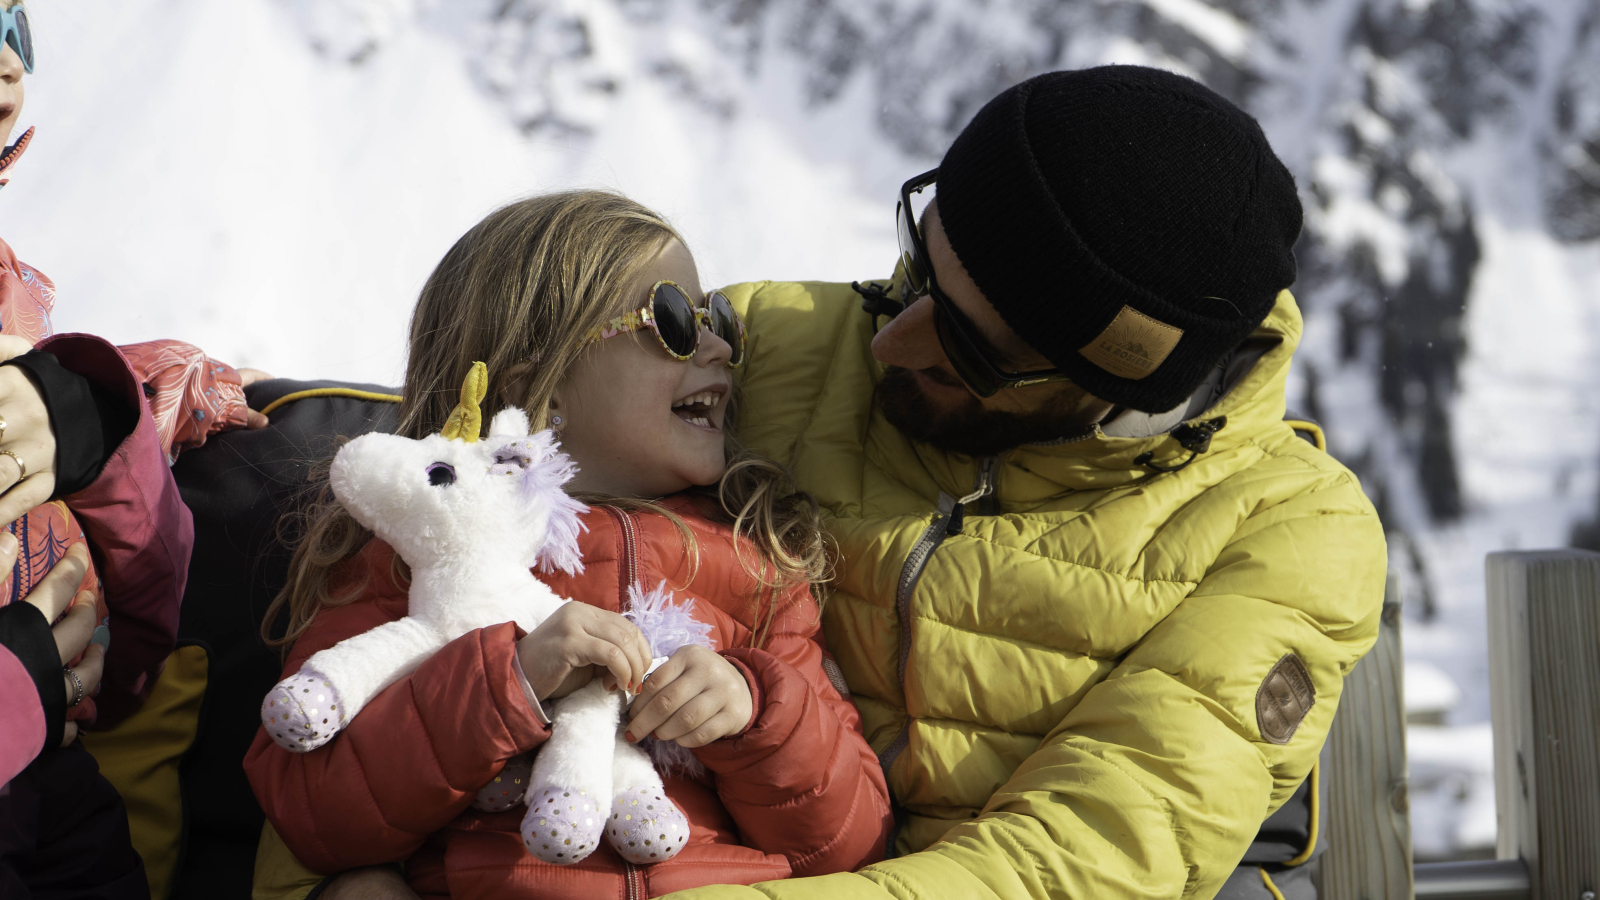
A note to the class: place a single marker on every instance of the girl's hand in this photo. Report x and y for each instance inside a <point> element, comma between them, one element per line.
<point>696,697</point>
<point>578,642</point>
<point>28,435</point>
<point>54,595</point>
<point>248,377</point>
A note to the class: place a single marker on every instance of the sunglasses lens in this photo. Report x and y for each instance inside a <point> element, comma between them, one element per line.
<point>675,320</point>
<point>910,259</point>
<point>24,40</point>
<point>725,322</point>
<point>965,358</point>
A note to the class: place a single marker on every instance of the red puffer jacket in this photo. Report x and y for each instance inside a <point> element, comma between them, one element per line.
<point>799,792</point>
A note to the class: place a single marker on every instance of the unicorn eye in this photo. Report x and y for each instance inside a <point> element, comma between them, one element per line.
<point>441,474</point>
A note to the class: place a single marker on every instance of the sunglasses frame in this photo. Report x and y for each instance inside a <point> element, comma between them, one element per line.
<point>958,336</point>
<point>11,34</point>
<point>645,317</point>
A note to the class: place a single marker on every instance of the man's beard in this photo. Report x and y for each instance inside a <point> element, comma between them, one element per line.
<point>968,427</point>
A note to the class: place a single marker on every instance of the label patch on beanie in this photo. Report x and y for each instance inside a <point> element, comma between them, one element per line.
<point>1133,345</point>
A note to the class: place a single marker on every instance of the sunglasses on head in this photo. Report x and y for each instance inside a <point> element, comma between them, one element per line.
<point>963,344</point>
<point>15,32</point>
<point>676,322</point>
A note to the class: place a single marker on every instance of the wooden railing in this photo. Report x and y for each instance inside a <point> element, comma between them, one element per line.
<point>1544,670</point>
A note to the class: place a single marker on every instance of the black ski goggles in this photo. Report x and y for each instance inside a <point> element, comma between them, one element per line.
<point>676,322</point>
<point>969,353</point>
<point>15,31</point>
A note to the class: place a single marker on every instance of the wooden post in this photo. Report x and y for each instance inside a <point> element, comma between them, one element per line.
<point>1368,812</point>
<point>1544,675</point>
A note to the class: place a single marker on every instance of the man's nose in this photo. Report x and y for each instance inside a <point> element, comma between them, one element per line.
<point>910,340</point>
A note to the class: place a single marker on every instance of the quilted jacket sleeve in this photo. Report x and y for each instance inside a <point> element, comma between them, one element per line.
<point>801,781</point>
<point>411,761</point>
<point>1154,785</point>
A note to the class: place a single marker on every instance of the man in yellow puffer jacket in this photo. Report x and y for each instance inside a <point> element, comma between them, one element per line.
<point>1095,599</point>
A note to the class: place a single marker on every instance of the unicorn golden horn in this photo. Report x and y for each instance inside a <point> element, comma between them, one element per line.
<point>466,420</point>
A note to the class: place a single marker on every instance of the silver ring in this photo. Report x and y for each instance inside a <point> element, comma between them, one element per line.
<point>2,428</point>
<point>77,686</point>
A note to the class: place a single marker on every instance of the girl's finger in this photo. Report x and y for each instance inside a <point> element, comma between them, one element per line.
<point>645,654</point>
<point>69,734</point>
<point>602,652</point>
<point>8,550</point>
<point>91,668</point>
<point>625,636</point>
<point>712,729</point>
<point>669,672</point>
<point>668,698</point>
<point>56,589</point>
<point>696,712</point>
<point>75,629</point>
<point>21,497</point>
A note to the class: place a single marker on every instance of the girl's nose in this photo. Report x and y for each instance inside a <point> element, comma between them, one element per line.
<point>713,351</point>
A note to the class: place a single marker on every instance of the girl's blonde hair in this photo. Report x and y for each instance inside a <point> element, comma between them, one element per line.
<point>529,282</point>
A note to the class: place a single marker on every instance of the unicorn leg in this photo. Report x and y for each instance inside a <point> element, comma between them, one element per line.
<point>645,827</point>
<point>305,710</point>
<point>569,792</point>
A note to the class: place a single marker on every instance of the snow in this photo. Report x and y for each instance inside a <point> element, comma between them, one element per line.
<point>1428,689</point>
<point>230,186</point>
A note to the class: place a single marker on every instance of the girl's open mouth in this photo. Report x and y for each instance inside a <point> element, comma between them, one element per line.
<point>696,409</point>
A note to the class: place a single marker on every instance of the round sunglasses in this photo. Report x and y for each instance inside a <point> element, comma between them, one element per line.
<point>676,322</point>
<point>961,340</point>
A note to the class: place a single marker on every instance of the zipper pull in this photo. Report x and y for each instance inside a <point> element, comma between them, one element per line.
<point>983,488</point>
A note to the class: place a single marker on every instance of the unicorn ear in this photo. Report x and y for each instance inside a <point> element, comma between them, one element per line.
<point>509,422</point>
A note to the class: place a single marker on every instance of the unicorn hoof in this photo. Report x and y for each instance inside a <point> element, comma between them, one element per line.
<point>563,825</point>
<point>645,827</point>
<point>507,788</point>
<point>302,712</point>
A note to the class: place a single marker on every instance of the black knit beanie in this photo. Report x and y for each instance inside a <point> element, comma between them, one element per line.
<point>1131,224</point>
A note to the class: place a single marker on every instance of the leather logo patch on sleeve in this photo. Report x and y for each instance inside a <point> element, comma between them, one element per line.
<point>1284,699</point>
<point>1133,345</point>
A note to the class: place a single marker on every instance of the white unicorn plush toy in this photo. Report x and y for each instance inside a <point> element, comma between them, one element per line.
<point>472,518</point>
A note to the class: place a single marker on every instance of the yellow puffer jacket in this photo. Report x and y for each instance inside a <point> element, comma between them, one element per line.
<point>1071,690</point>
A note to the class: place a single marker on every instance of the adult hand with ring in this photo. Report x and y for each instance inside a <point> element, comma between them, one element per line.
<point>57,593</point>
<point>27,441</point>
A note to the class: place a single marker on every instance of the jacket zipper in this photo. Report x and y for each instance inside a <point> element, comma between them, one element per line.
<point>633,878</point>
<point>630,553</point>
<point>946,521</point>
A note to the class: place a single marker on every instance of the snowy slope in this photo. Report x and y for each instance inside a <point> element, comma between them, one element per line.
<point>230,185</point>
<point>273,179</point>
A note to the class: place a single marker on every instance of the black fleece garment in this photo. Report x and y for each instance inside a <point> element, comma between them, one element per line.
<point>89,423</point>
